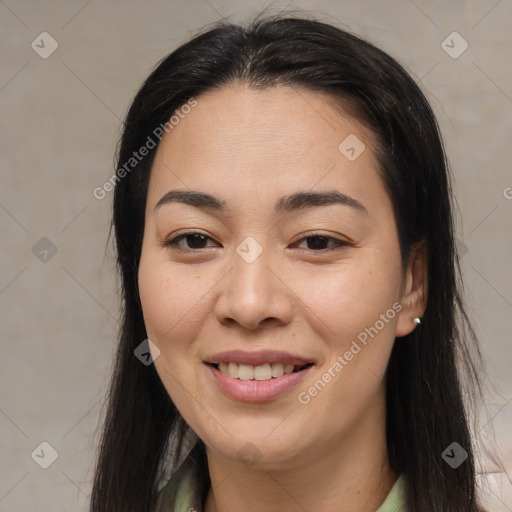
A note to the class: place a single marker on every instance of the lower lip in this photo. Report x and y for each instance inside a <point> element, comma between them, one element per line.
<point>257,390</point>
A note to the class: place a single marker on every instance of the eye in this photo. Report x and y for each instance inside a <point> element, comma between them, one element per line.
<point>317,243</point>
<point>196,240</point>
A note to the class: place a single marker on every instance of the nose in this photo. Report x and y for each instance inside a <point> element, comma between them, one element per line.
<point>254,291</point>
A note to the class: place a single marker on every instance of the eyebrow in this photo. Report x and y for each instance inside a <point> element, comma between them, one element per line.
<point>286,204</point>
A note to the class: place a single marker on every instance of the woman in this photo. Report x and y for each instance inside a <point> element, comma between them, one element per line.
<point>285,239</point>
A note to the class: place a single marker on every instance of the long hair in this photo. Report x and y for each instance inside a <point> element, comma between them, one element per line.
<point>431,371</point>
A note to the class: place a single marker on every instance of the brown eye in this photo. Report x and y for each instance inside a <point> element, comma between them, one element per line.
<point>318,243</point>
<point>193,240</point>
<point>196,241</point>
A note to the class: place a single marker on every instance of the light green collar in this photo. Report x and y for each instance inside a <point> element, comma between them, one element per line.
<point>395,500</point>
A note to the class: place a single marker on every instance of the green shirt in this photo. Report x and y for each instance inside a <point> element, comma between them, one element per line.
<point>184,492</point>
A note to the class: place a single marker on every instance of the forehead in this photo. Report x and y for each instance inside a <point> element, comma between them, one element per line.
<point>279,139</point>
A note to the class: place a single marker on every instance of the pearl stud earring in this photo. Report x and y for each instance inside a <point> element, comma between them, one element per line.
<point>417,320</point>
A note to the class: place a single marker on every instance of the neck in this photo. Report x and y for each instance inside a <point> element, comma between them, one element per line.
<point>347,475</point>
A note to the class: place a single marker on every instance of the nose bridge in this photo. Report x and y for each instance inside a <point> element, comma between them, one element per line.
<point>251,280</point>
<point>252,292</point>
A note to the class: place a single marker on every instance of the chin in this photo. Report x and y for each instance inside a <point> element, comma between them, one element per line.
<point>255,447</point>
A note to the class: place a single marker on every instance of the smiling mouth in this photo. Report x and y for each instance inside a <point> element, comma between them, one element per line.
<point>262,372</point>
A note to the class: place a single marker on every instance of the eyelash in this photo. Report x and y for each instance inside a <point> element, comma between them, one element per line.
<point>172,242</point>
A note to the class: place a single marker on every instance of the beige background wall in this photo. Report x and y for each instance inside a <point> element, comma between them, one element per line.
<point>59,122</point>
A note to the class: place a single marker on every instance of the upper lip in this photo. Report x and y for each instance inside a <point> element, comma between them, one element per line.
<point>257,358</point>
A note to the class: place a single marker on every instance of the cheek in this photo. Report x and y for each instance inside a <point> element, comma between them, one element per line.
<point>343,301</point>
<point>167,297</point>
<point>169,304</point>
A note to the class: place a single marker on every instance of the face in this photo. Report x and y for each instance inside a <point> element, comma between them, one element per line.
<point>274,316</point>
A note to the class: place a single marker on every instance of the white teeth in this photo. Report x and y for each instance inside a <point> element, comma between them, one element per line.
<point>277,370</point>
<point>245,372</point>
<point>265,371</point>
<point>232,370</point>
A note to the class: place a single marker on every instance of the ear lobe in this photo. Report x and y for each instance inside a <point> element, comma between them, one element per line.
<point>415,292</point>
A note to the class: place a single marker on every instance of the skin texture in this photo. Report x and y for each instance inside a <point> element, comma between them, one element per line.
<point>249,148</point>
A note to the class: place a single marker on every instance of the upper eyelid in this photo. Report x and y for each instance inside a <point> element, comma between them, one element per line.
<point>338,241</point>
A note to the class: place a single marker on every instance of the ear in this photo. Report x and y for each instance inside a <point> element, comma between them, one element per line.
<point>414,292</point>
